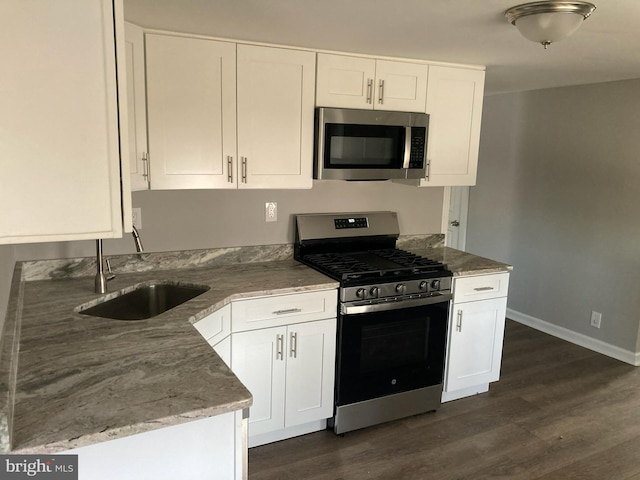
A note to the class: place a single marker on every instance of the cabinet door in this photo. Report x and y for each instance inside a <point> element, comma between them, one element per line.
<point>345,82</point>
<point>59,136</point>
<point>310,371</point>
<point>258,360</point>
<point>275,117</point>
<point>136,107</point>
<point>400,86</point>
<point>192,112</point>
<point>475,343</point>
<point>454,102</point>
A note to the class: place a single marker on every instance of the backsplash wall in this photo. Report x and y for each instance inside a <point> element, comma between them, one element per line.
<point>197,219</point>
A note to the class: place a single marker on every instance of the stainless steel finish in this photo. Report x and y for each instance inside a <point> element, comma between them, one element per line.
<point>394,304</point>
<point>279,347</point>
<point>100,281</point>
<point>455,223</point>
<point>288,310</point>
<point>137,241</point>
<point>144,301</point>
<point>145,165</point>
<point>317,226</point>
<point>243,163</point>
<point>459,321</point>
<point>381,92</point>
<point>369,90</point>
<point>293,345</point>
<point>390,291</point>
<point>229,168</point>
<point>387,408</point>
<point>365,117</point>
<point>407,147</point>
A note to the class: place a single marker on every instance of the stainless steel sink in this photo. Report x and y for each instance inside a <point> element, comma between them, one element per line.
<point>145,301</point>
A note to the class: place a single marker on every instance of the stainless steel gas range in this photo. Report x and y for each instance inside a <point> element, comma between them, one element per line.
<point>392,316</point>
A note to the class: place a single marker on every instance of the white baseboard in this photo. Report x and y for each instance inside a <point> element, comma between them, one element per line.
<point>596,345</point>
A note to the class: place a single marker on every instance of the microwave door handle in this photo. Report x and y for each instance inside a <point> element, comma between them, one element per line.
<point>407,147</point>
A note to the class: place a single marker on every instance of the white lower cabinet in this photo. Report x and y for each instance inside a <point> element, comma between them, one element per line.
<point>476,332</point>
<point>282,348</point>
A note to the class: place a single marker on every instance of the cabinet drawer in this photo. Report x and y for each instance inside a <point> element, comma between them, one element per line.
<point>216,326</point>
<point>481,287</point>
<point>279,310</point>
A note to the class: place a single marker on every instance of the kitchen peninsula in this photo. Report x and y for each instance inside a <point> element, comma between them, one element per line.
<point>84,380</point>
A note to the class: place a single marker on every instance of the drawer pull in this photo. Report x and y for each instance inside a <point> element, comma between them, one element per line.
<point>483,289</point>
<point>459,321</point>
<point>288,310</point>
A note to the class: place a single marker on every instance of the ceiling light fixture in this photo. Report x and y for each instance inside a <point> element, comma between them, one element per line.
<point>548,22</point>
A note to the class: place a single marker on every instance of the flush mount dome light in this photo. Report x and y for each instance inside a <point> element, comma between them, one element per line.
<point>548,22</point>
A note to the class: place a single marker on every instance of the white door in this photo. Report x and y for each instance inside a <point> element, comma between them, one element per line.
<point>310,371</point>
<point>275,117</point>
<point>192,112</point>
<point>475,343</point>
<point>400,86</point>
<point>258,360</point>
<point>457,214</point>
<point>136,107</point>
<point>345,82</point>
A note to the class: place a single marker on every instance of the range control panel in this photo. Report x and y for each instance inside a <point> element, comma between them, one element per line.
<point>353,222</point>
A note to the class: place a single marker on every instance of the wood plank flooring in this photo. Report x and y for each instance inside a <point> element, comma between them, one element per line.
<point>559,411</point>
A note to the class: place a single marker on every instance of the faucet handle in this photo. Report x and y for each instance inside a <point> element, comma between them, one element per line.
<point>110,275</point>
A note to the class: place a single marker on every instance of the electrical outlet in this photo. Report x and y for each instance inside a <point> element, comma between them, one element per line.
<point>136,214</point>
<point>596,319</point>
<point>270,211</point>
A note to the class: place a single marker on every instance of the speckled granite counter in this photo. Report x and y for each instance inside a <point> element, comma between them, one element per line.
<point>83,380</point>
<point>462,263</point>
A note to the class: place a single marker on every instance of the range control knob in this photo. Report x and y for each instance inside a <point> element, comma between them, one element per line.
<point>374,292</point>
<point>401,288</point>
<point>423,286</point>
<point>435,284</point>
<point>361,293</point>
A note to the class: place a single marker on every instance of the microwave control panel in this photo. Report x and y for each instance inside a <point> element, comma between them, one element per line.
<point>418,147</point>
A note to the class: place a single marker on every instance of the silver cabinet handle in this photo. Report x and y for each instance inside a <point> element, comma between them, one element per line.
<point>381,92</point>
<point>229,168</point>
<point>145,166</point>
<point>427,169</point>
<point>369,90</point>
<point>482,289</point>
<point>279,347</point>
<point>244,169</point>
<point>459,321</point>
<point>289,310</point>
<point>293,345</point>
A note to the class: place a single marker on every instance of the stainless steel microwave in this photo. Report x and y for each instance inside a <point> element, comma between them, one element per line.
<point>370,144</point>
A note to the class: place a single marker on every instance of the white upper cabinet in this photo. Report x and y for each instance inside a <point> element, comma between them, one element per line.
<point>136,107</point>
<point>454,105</point>
<point>366,83</point>
<point>275,117</point>
<point>60,155</point>
<point>191,92</point>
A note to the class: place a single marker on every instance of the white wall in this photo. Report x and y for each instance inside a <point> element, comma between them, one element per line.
<point>557,196</point>
<point>194,219</point>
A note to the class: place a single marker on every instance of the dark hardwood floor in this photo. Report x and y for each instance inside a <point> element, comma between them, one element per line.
<point>559,411</point>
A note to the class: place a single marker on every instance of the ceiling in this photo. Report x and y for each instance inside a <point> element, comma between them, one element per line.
<point>605,48</point>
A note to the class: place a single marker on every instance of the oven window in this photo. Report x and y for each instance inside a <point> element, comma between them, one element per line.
<point>390,352</point>
<point>363,146</point>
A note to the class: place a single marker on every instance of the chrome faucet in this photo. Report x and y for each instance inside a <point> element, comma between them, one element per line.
<point>101,278</point>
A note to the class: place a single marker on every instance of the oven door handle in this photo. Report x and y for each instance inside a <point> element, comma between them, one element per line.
<point>351,309</point>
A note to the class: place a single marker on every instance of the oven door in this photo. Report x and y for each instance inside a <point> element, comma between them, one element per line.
<point>391,351</point>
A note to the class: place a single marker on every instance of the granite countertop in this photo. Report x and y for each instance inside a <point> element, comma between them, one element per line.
<point>83,380</point>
